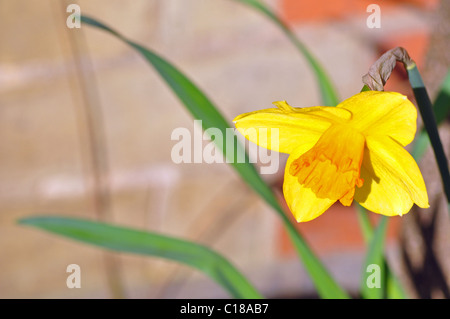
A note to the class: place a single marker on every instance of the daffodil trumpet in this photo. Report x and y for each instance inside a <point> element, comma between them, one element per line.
<point>354,151</point>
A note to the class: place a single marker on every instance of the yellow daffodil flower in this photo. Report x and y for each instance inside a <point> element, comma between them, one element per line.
<point>351,151</point>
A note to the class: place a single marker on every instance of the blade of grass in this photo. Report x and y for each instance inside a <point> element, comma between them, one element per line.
<point>327,91</point>
<point>421,143</point>
<point>364,223</point>
<point>375,258</point>
<point>202,109</point>
<point>128,240</point>
<point>441,106</point>
<point>394,289</point>
<point>393,285</point>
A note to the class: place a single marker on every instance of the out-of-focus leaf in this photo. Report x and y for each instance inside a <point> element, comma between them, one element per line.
<point>441,106</point>
<point>394,287</point>
<point>374,268</point>
<point>128,240</point>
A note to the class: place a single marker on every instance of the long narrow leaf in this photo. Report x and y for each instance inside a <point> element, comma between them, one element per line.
<point>394,287</point>
<point>441,106</point>
<point>374,270</point>
<point>128,240</point>
<point>327,91</point>
<point>202,109</point>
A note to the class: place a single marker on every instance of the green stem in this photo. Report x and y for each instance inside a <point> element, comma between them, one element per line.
<point>429,121</point>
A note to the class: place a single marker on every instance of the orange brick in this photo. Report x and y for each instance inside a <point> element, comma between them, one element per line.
<point>321,10</point>
<point>425,4</point>
<point>297,11</point>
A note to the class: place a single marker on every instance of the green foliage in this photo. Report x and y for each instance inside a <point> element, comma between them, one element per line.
<point>375,257</point>
<point>128,240</point>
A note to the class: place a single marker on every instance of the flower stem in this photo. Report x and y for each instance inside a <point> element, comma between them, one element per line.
<point>426,111</point>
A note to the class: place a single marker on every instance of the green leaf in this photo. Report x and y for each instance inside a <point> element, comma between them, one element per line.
<point>364,223</point>
<point>421,143</point>
<point>128,240</point>
<point>441,106</point>
<point>375,259</point>
<point>394,287</point>
<point>365,88</point>
<point>202,109</point>
<point>327,91</point>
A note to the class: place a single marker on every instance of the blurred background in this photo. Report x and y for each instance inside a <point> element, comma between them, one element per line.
<point>59,87</point>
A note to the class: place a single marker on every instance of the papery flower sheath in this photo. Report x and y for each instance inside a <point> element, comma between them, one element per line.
<point>354,151</point>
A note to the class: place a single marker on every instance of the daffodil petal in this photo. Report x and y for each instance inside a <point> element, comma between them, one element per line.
<point>383,113</point>
<point>392,179</point>
<point>285,128</point>
<point>302,202</point>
